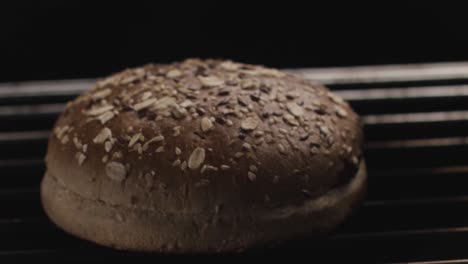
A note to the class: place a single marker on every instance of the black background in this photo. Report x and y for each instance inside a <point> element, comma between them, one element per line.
<point>66,39</point>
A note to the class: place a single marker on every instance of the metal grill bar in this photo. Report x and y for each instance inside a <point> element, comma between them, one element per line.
<point>387,73</point>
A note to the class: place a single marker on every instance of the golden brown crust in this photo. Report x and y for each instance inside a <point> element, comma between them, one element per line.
<point>203,136</point>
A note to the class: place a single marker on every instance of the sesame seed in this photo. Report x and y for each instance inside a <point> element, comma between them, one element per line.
<point>251,176</point>
<point>255,97</point>
<point>164,102</point>
<point>203,169</point>
<point>324,130</point>
<point>138,73</point>
<point>108,146</point>
<point>220,120</point>
<point>238,155</point>
<point>281,149</point>
<point>278,112</point>
<point>314,150</point>
<point>176,163</point>
<point>116,171</point>
<point>242,101</point>
<point>107,81</point>
<point>101,94</point>
<point>172,74</point>
<point>225,167</point>
<point>253,168</point>
<point>335,98</point>
<point>80,157</point>
<point>249,123</point>
<point>134,140</point>
<point>309,108</point>
<point>258,133</point>
<point>77,143</point>
<point>138,148</point>
<point>249,84</point>
<point>105,117</point>
<point>183,166</point>
<point>200,111</point>
<point>117,155</point>
<point>223,92</point>
<point>229,66</point>
<point>292,94</point>
<point>99,110</point>
<point>157,138</point>
<point>145,104</point>
<point>280,97</point>
<point>290,120</point>
<point>196,158</point>
<point>145,147</point>
<point>178,112</point>
<point>304,136</point>
<point>176,130</point>
<point>146,95</point>
<point>208,168</point>
<point>103,135</point>
<point>340,112</point>
<point>160,149</point>
<point>244,110</point>
<point>178,151</point>
<point>210,81</point>
<point>246,147</point>
<point>154,139</point>
<point>186,103</point>
<point>206,124</point>
<point>65,139</point>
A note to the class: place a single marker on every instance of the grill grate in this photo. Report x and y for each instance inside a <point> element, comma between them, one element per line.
<point>416,125</point>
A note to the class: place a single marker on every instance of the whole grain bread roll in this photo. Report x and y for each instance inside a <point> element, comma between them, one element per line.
<point>203,156</point>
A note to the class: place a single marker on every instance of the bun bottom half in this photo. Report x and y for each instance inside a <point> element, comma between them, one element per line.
<point>144,230</point>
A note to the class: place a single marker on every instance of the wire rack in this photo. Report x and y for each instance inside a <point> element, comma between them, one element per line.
<point>416,127</point>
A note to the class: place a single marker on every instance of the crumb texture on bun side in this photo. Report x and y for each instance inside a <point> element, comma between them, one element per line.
<point>202,156</point>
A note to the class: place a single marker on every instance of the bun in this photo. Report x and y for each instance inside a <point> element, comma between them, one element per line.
<point>203,156</point>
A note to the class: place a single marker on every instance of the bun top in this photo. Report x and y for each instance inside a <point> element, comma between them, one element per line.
<point>199,135</point>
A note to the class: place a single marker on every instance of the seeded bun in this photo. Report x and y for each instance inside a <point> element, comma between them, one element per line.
<point>203,156</point>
